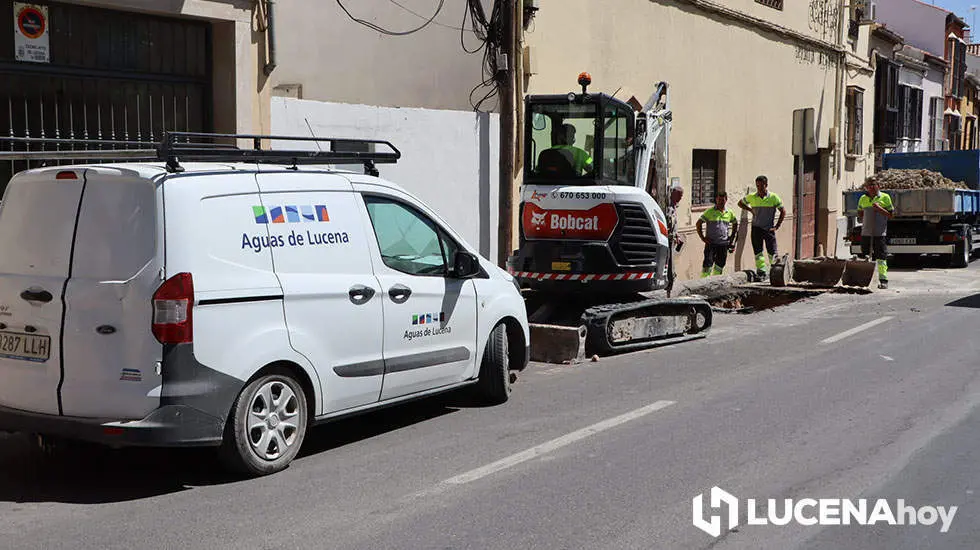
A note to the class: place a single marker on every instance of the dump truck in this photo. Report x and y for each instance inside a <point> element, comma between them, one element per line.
<point>934,221</point>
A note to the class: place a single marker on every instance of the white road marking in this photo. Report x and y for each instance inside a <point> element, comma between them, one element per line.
<point>886,358</point>
<point>855,330</point>
<point>553,445</point>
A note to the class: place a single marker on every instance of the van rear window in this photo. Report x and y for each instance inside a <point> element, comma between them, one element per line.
<point>37,219</point>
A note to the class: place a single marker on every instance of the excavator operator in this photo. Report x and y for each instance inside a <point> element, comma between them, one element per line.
<point>564,159</point>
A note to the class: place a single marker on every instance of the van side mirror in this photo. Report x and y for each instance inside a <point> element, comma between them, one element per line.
<point>465,265</point>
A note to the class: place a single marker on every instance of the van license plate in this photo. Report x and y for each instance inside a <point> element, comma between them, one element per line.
<point>29,347</point>
<point>902,240</point>
<point>561,266</point>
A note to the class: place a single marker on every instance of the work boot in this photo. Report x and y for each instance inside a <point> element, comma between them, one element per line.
<point>761,275</point>
<point>883,284</point>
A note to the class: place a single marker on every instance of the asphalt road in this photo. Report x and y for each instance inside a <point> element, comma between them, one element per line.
<point>777,404</point>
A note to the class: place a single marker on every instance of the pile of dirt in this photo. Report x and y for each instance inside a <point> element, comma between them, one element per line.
<point>914,179</point>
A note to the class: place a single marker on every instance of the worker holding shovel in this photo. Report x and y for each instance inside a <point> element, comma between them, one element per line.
<point>874,210</point>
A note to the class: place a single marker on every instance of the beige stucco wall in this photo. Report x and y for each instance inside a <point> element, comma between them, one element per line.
<point>734,87</point>
<point>338,60</point>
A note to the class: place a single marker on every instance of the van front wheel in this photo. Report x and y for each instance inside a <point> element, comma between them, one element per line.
<point>493,386</point>
<point>267,425</point>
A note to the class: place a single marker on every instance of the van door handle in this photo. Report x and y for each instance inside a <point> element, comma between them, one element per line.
<point>36,295</point>
<point>360,294</point>
<point>399,293</point>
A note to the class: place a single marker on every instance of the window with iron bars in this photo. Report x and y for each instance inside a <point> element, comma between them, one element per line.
<point>775,4</point>
<point>855,120</point>
<point>705,176</point>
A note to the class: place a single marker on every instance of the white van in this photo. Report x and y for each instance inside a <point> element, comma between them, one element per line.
<point>236,304</point>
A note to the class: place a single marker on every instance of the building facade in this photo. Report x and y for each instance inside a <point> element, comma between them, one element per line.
<point>893,105</point>
<point>859,104</point>
<point>738,70</point>
<point>130,69</point>
<point>936,33</point>
<point>955,85</point>
<point>922,69</point>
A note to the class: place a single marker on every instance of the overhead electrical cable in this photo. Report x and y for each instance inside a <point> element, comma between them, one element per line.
<point>388,32</point>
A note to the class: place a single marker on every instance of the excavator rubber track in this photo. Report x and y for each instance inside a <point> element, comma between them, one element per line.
<point>632,326</point>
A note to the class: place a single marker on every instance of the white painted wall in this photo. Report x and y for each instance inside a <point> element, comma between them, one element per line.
<point>449,158</point>
<point>921,25</point>
<point>932,86</point>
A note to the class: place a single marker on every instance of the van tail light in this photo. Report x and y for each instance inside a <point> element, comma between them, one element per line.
<point>173,304</point>
<point>951,237</point>
<point>66,175</point>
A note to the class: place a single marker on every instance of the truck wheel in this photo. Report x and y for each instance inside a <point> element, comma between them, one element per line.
<point>493,386</point>
<point>962,251</point>
<point>267,425</point>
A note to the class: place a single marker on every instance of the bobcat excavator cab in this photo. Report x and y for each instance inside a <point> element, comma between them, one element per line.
<point>592,238</point>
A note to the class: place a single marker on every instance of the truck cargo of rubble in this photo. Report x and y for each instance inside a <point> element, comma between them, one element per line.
<point>914,179</point>
<point>952,166</point>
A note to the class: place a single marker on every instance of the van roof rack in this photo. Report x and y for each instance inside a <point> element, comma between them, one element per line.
<point>177,147</point>
<point>186,146</point>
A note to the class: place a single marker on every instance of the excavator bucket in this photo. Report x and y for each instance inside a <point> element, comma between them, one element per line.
<point>858,273</point>
<point>818,271</point>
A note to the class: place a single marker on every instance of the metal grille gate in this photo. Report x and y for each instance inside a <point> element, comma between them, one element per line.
<point>113,76</point>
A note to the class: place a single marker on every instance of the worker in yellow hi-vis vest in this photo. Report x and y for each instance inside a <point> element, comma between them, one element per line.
<point>719,240</point>
<point>563,139</point>
<point>763,206</point>
<point>874,210</point>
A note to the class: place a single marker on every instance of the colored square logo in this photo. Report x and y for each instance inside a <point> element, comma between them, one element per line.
<point>415,319</point>
<point>292,214</point>
<point>307,212</point>
<point>321,213</point>
<point>276,214</point>
<point>428,317</point>
<point>260,215</point>
<point>442,316</point>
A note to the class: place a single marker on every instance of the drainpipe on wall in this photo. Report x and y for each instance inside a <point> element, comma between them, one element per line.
<point>839,145</point>
<point>270,33</point>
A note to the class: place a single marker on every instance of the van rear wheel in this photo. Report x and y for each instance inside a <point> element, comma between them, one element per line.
<point>267,425</point>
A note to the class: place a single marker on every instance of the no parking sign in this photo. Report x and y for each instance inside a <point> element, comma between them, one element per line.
<point>31,33</point>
